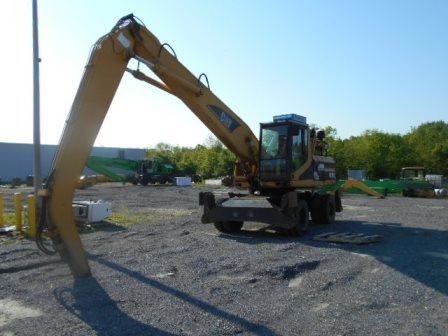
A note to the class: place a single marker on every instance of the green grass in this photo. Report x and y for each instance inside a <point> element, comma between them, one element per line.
<point>126,217</point>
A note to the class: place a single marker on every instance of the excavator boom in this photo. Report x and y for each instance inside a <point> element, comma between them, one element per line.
<point>105,68</point>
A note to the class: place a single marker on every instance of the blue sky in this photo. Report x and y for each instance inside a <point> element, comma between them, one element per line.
<point>352,65</point>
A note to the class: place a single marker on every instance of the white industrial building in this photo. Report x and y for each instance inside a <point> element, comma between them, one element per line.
<point>17,159</point>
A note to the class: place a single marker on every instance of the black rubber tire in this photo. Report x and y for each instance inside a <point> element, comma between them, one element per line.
<point>323,209</point>
<point>328,209</point>
<point>229,227</point>
<point>301,216</point>
<point>315,209</point>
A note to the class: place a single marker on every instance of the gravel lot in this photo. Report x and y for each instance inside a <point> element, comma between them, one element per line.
<point>171,275</point>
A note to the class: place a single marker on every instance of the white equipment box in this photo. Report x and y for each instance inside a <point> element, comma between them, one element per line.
<point>183,181</point>
<point>91,211</point>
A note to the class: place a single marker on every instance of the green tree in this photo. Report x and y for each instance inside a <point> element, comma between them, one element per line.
<point>429,141</point>
<point>386,154</point>
<point>336,150</point>
<point>185,160</point>
<point>163,151</point>
<point>210,160</point>
<point>380,154</point>
<point>214,159</point>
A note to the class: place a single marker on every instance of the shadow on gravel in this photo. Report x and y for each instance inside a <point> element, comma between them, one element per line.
<point>261,236</point>
<point>419,253</point>
<point>89,301</point>
<point>26,267</point>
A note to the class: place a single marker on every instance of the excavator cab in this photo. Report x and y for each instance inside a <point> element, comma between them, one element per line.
<point>283,147</point>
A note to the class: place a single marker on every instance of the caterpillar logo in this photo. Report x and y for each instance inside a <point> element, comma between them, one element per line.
<point>225,119</point>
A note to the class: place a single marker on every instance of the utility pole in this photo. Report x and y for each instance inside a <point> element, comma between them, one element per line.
<point>36,104</point>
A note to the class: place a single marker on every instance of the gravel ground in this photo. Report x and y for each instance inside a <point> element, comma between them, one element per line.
<point>172,275</point>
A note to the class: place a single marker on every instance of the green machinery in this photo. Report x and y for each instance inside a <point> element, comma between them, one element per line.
<point>412,183</point>
<point>135,171</point>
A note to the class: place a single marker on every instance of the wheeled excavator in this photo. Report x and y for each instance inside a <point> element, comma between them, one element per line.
<point>278,177</point>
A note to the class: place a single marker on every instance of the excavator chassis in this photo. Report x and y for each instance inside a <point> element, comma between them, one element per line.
<point>290,214</point>
<point>241,209</point>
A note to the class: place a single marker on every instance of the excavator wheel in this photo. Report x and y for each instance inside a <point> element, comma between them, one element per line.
<point>301,215</point>
<point>323,209</point>
<point>229,226</point>
<point>315,209</point>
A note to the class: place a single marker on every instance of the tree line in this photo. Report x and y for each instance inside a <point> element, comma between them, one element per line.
<point>379,154</point>
<point>382,155</point>
<point>209,160</point>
